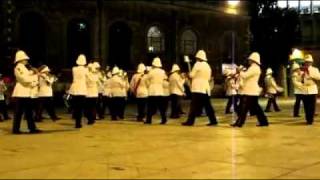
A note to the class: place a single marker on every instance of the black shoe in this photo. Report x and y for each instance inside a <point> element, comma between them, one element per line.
<point>186,124</point>
<point>17,132</point>
<point>309,123</point>
<point>147,123</point>
<point>267,111</point>
<point>163,123</point>
<point>296,116</point>
<point>80,126</point>
<point>236,125</point>
<point>212,124</point>
<point>7,118</point>
<point>90,123</point>
<point>139,120</point>
<point>35,131</point>
<point>261,125</point>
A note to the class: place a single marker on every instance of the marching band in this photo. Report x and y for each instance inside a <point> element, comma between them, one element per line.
<point>93,90</point>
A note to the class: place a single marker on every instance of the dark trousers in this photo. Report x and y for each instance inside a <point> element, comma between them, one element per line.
<point>175,106</point>
<point>141,105</point>
<point>23,105</point>
<point>232,100</point>
<point>309,104</point>
<point>272,101</point>
<point>105,104</point>
<point>78,103</point>
<point>4,110</point>
<point>250,103</point>
<point>91,104</point>
<point>117,106</point>
<point>155,103</point>
<point>296,107</point>
<point>48,104</point>
<point>99,107</point>
<point>198,102</point>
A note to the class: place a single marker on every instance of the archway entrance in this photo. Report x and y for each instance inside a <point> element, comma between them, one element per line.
<point>78,40</point>
<point>32,37</point>
<point>120,45</point>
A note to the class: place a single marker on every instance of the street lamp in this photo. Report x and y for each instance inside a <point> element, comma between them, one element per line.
<point>232,7</point>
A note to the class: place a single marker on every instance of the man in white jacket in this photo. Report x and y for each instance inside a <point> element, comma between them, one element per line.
<point>45,94</point>
<point>272,89</point>
<point>78,89</point>
<point>200,88</point>
<point>139,89</point>
<point>155,81</point>
<point>231,87</point>
<point>118,91</point>
<point>92,92</point>
<point>296,78</point>
<point>22,93</point>
<point>310,75</point>
<point>176,81</point>
<point>249,91</point>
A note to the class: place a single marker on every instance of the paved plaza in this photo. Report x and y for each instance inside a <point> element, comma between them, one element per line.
<point>127,149</point>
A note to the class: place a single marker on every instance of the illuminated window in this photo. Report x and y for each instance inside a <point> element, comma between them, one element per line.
<point>282,4</point>
<point>188,42</point>
<point>293,4</point>
<point>305,7</point>
<point>316,6</point>
<point>155,40</point>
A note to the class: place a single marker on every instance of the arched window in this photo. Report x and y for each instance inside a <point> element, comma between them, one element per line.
<point>155,40</point>
<point>188,43</point>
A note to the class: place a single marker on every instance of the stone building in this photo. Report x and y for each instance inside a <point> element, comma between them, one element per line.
<point>121,32</point>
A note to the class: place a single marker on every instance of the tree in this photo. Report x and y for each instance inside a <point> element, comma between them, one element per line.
<point>274,31</point>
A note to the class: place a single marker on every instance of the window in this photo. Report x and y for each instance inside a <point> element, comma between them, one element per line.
<point>305,7</point>
<point>282,4</point>
<point>316,6</point>
<point>155,40</point>
<point>293,4</point>
<point>188,45</point>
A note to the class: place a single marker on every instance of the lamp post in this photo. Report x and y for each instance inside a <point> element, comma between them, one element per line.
<point>232,8</point>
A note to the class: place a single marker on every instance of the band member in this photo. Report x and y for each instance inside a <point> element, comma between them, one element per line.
<point>45,94</point>
<point>310,75</point>
<point>78,89</point>
<point>138,88</point>
<point>102,78</point>
<point>155,81</point>
<point>166,93</point>
<point>249,90</point>
<point>272,89</point>
<point>200,87</point>
<point>3,104</point>
<point>298,88</point>
<point>22,93</point>
<point>92,91</point>
<point>107,93</point>
<point>118,93</point>
<point>231,87</point>
<point>176,81</point>
<point>124,95</point>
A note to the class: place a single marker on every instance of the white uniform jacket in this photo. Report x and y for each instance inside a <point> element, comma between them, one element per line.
<point>166,88</point>
<point>231,86</point>
<point>45,85</point>
<point>92,85</point>
<point>107,88</point>
<point>297,82</point>
<point>24,81</point>
<point>118,87</point>
<point>271,85</point>
<point>200,75</point>
<point>155,80</point>
<point>309,81</point>
<point>138,85</point>
<point>249,81</point>
<point>79,82</point>
<point>176,84</point>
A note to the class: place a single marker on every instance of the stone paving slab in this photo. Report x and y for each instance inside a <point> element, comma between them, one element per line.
<point>131,150</point>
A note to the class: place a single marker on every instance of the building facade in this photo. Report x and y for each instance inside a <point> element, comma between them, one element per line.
<point>122,33</point>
